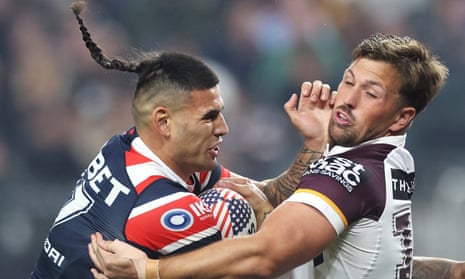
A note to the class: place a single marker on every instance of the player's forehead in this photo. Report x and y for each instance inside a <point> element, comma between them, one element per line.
<point>374,73</point>
<point>207,100</point>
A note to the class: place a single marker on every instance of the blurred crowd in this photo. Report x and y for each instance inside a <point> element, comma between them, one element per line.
<point>57,106</point>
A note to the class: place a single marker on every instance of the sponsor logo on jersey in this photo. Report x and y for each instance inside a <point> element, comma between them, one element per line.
<point>53,254</point>
<point>177,220</point>
<point>403,184</point>
<point>99,176</point>
<point>348,173</point>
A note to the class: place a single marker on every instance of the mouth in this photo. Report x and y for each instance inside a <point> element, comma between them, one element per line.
<point>343,118</point>
<point>215,150</point>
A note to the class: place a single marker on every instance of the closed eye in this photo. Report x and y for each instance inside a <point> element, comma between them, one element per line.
<point>372,95</point>
<point>348,82</point>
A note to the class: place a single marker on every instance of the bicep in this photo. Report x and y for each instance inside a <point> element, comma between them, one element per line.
<point>300,232</point>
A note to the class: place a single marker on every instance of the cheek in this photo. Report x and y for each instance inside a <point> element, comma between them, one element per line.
<point>192,136</point>
<point>377,123</point>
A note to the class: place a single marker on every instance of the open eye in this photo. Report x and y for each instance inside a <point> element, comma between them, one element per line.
<point>211,115</point>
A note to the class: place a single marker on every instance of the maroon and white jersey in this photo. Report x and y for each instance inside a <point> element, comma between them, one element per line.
<point>365,193</point>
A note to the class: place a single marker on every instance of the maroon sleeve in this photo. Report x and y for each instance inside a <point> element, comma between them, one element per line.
<point>355,188</point>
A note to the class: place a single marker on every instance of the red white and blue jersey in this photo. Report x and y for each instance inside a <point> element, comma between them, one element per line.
<point>128,193</point>
<point>365,193</point>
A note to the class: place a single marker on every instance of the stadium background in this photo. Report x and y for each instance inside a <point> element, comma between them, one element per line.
<point>57,106</point>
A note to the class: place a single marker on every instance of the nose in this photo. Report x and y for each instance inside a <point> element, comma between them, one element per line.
<point>221,127</point>
<point>350,97</point>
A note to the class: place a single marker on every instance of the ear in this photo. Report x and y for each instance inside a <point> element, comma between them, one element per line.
<point>160,120</point>
<point>403,119</point>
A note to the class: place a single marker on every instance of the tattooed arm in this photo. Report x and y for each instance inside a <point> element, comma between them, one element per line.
<point>280,188</point>
<point>437,268</point>
<point>272,191</point>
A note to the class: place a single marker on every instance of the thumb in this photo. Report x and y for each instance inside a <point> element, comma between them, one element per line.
<point>291,105</point>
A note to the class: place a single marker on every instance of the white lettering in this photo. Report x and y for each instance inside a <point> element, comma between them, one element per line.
<point>345,171</point>
<point>95,166</point>
<point>351,177</point>
<point>200,208</point>
<point>401,185</point>
<point>53,254</point>
<point>99,177</point>
<point>47,245</point>
<point>98,173</point>
<point>118,187</point>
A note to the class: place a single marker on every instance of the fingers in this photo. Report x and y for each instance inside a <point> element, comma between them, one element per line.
<point>99,249</point>
<point>238,180</point>
<point>239,186</point>
<point>320,91</point>
<point>312,94</point>
<point>291,104</point>
<point>317,91</point>
<point>92,249</point>
<point>332,99</point>
<point>95,253</point>
<point>97,274</point>
<point>246,188</point>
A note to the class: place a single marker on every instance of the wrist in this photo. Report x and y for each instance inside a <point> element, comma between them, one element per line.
<point>314,152</point>
<point>458,270</point>
<point>315,146</point>
<point>263,214</point>
<point>152,269</point>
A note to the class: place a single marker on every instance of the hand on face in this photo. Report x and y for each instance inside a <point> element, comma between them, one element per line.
<point>116,259</point>
<point>311,113</point>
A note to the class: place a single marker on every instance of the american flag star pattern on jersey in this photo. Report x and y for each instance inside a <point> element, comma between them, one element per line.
<point>233,213</point>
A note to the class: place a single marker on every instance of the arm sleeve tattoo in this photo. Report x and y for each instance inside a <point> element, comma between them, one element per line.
<point>429,268</point>
<point>280,188</point>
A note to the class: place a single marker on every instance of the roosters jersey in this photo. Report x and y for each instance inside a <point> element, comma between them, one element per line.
<point>365,193</point>
<point>128,193</point>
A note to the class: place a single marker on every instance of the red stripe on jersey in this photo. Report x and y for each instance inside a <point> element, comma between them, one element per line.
<point>133,158</point>
<point>225,172</point>
<point>171,222</point>
<point>203,176</point>
<point>147,182</point>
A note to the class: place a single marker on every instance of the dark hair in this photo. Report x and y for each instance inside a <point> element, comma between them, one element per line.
<point>422,74</point>
<point>163,77</point>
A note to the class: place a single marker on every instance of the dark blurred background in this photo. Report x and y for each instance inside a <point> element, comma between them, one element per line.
<point>57,106</point>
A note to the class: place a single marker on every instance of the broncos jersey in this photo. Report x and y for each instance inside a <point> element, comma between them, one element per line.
<point>365,193</point>
<point>128,193</point>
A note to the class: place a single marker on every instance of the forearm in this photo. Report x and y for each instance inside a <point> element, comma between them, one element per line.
<point>280,188</point>
<point>437,268</point>
<point>236,258</point>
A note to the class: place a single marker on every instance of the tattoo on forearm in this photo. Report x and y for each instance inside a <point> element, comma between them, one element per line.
<point>431,269</point>
<point>280,188</point>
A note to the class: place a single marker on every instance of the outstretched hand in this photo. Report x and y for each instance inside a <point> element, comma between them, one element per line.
<point>311,112</point>
<point>116,259</point>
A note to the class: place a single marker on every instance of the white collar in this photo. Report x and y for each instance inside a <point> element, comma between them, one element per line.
<point>143,149</point>
<point>398,141</point>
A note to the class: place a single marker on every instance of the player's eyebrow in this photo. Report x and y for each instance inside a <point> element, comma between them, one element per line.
<point>367,83</point>
<point>212,114</point>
